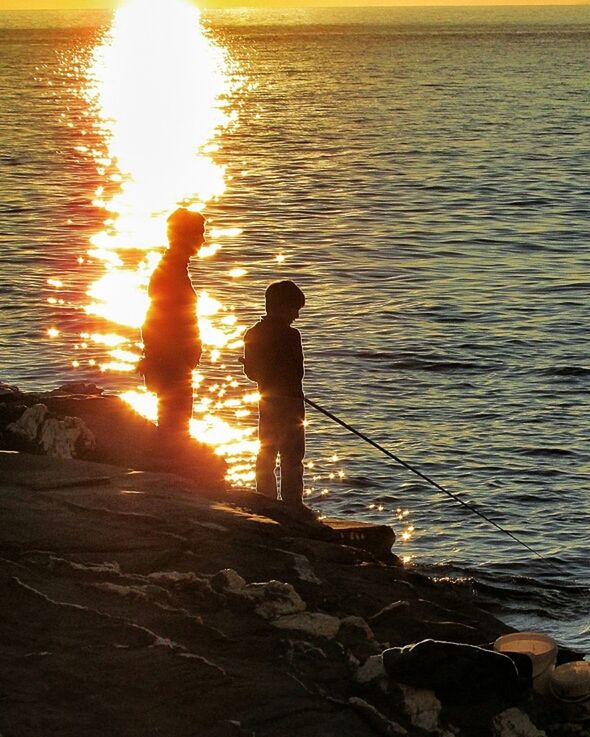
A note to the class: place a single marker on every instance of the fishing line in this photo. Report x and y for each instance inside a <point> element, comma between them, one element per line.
<point>429,480</point>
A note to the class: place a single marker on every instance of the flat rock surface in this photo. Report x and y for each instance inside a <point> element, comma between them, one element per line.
<point>41,472</point>
<point>114,622</point>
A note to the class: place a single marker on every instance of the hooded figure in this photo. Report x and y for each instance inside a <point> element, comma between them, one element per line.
<point>273,358</point>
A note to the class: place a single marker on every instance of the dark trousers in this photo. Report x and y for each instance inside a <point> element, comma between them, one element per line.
<point>175,400</point>
<point>281,432</point>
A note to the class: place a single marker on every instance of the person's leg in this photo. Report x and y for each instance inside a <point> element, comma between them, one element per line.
<point>175,407</point>
<point>292,450</point>
<point>266,482</point>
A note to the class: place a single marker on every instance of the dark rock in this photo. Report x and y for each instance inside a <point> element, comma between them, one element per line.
<point>8,390</point>
<point>125,609</point>
<point>378,539</point>
<point>382,724</point>
<point>9,413</point>
<point>357,637</point>
<point>403,622</point>
<point>227,580</point>
<point>325,665</point>
<point>79,387</point>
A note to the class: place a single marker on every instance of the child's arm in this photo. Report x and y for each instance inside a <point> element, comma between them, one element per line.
<point>249,359</point>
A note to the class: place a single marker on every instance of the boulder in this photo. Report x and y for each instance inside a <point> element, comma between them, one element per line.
<point>515,723</point>
<point>315,624</point>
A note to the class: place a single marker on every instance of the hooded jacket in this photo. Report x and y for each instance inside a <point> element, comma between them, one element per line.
<point>273,358</point>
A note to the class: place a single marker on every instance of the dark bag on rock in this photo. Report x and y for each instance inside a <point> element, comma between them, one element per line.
<point>457,672</point>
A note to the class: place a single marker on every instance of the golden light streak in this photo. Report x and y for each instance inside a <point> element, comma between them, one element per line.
<point>158,90</point>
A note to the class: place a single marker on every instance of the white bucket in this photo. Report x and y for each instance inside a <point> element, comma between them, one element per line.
<point>541,649</point>
<point>570,684</point>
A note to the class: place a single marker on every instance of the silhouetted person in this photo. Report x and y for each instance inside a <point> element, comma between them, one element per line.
<point>273,357</point>
<point>172,345</point>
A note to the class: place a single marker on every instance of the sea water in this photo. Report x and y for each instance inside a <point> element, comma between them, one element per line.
<point>423,175</point>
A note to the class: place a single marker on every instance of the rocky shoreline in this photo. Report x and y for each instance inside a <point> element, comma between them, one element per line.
<point>140,601</point>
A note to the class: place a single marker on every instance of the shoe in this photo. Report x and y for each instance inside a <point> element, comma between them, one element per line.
<point>301,511</point>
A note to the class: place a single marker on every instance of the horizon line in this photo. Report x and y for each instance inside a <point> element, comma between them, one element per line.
<point>273,6</point>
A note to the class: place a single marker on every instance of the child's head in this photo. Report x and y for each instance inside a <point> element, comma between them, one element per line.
<point>284,299</point>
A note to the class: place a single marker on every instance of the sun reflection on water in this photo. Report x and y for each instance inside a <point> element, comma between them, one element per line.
<point>159,93</point>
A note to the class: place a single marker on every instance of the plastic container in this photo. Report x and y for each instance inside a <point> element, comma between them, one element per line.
<point>570,684</point>
<point>541,649</point>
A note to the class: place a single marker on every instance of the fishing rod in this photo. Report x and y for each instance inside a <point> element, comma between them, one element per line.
<point>432,482</point>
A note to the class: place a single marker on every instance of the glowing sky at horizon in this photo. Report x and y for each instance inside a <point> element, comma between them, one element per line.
<point>102,4</point>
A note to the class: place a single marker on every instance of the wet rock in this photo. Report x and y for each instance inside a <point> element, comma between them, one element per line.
<point>315,624</point>
<point>376,719</point>
<point>371,671</point>
<point>421,707</point>
<point>515,723</point>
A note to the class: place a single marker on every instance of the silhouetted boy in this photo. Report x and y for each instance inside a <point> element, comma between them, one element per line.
<point>273,357</point>
<point>172,345</point>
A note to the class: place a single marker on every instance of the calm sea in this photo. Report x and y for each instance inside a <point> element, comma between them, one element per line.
<point>426,174</point>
